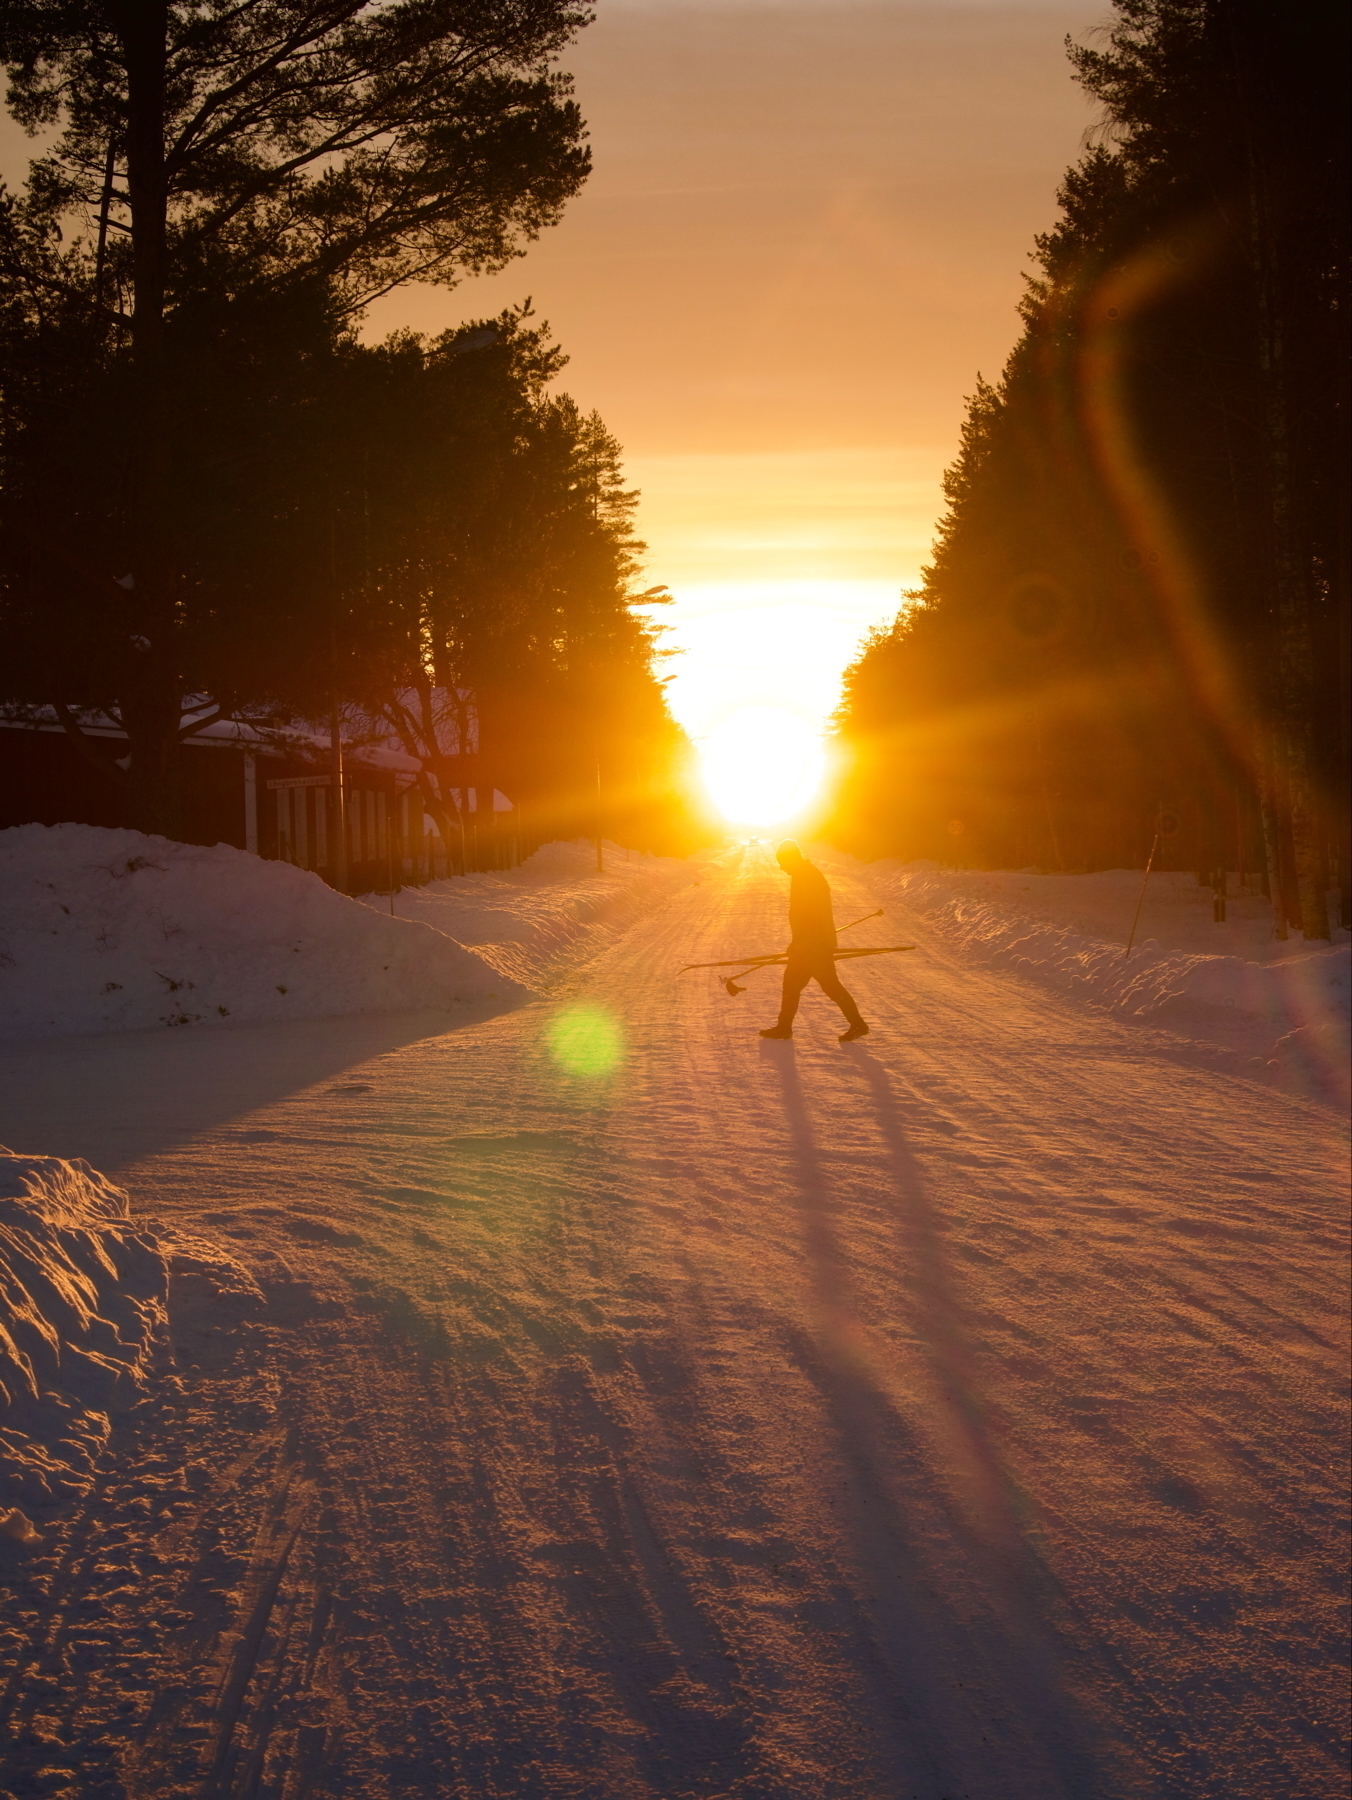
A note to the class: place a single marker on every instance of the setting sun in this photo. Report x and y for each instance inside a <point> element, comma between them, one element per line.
<point>762,764</point>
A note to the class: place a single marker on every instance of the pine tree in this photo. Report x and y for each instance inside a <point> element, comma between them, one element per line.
<point>1139,595</point>
<point>230,170</point>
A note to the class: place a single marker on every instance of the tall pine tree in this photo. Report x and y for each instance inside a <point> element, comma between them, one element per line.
<point>1138,602</point>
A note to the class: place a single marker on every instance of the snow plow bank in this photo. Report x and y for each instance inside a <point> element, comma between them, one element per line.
<point>112,930</point>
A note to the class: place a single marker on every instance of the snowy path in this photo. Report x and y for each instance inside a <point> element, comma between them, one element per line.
<point>954,1414</point>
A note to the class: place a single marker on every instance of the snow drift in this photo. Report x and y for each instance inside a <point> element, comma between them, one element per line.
<point>1286,1004</point>
<point>552,913</point>
<point>106,930</point>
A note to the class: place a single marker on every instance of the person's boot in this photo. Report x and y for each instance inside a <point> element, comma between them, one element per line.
<point>857,1029</point>
<point>780,1031</point>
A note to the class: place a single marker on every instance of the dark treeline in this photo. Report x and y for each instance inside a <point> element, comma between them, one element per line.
<point>1134,630</point>
<point>210,489</point>
<point>481,545</point>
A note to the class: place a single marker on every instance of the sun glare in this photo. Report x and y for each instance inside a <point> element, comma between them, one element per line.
<point>762,764</point>
<point>586,1040</point>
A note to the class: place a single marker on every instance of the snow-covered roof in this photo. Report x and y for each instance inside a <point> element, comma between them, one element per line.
<point>234,733</point>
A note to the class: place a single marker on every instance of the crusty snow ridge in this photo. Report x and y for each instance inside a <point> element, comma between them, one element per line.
<point>87,1298</point>
<point>82,1303</point>
<point>107,930</point>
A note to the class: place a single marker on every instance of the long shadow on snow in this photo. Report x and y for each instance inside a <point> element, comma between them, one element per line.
<point>118,1096</point>
<point>1013,1728</point>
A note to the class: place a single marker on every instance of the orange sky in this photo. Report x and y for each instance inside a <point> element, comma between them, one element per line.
<point>804,236</point>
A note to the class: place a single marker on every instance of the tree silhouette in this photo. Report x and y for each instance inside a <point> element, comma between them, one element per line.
<point>1139,594</point>
<point>235,175</point>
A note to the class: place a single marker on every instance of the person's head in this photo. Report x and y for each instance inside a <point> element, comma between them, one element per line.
<point>789,856</point>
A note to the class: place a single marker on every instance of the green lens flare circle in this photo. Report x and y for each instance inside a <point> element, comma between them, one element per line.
<point>586,1040</point>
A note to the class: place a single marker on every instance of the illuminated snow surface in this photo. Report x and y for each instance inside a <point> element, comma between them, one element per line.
<point>588,1398</point>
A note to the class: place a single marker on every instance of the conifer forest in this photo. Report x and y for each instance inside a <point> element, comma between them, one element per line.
<point>216,502</point>
<point>1133,632</point>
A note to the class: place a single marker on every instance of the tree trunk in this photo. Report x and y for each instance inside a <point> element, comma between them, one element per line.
<point>154,790</point>
<point>1291,581</point>
<point>1271,812</point>
<point>1342,600</point>
<point>1286,856</point>
<point>418,733</point>
<point>444,816</point>
<point>152,704</point>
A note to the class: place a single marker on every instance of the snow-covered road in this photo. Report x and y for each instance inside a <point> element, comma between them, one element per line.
<point>953,1414</point>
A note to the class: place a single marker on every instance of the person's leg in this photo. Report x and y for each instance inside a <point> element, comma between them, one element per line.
<point>830,984</point>
<point>796,977</point>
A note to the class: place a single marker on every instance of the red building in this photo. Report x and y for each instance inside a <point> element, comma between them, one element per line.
<point>239,787</point>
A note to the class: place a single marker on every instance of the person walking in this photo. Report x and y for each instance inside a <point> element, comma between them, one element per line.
<point>812,946</point>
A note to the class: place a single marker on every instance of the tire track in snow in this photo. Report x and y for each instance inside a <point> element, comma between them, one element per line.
<point>1189,1139</point>
<point>841,1359</point>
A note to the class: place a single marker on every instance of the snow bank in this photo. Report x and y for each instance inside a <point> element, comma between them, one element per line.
<point>1280,1002</point>
<point>553,912</point>
<point>105,930</point>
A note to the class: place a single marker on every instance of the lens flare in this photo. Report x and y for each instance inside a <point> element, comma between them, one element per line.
<point>762,764</point>
<point>586,1040</point>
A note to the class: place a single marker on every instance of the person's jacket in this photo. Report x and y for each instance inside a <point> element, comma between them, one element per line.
<point>812,927</point>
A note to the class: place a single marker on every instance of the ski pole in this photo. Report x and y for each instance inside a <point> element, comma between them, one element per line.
<point>854,922</point>
<point>729,962</point>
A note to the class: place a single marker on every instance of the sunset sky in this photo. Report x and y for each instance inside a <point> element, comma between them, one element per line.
<point>803,237</point>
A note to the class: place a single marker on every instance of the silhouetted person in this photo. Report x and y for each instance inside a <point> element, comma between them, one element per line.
<point>812,944</point>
